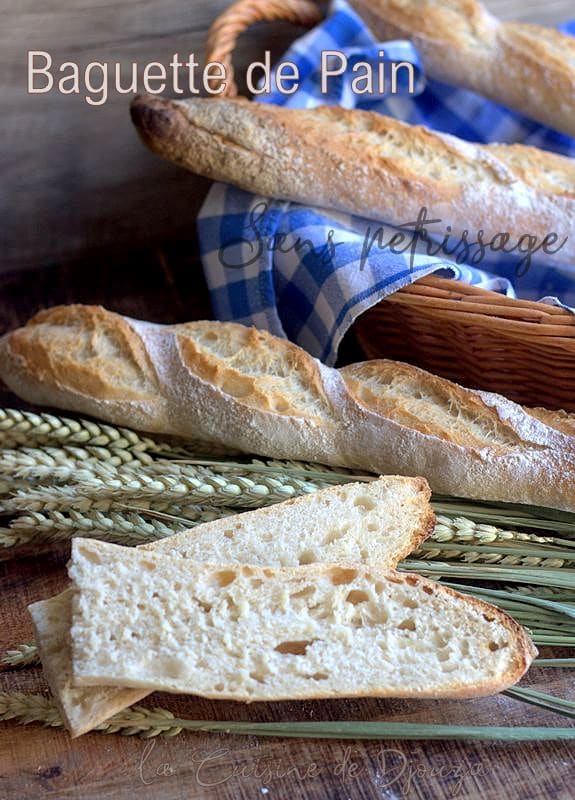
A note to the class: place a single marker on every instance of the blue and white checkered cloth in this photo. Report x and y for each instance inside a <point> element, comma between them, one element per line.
<point>299,271</point>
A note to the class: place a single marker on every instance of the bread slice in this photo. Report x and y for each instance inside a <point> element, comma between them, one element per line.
<point>250,633</point>
<point>81,709</point>
<point>378,522</point>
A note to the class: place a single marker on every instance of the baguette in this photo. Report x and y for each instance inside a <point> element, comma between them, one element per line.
<point>246,389</point>
<point>367,164</point>
<point>259,633</point>
<point>377,523</point>
<point>529,68</point>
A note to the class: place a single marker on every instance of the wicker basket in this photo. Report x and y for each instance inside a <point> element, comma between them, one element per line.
<point>481,339</point>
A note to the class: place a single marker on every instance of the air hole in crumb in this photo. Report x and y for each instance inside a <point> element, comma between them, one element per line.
<point>141,606</point>
<point>93,558</point>
<point>293,648</point>
<point>340,576</point>
<point>256,583</point>
<point>135,635</point>
<point>334,535</point>
<point>488,618</point>
<point>411,580</point>
<point>155,596</point>
<point>206,607</point>
<point>371,526</point>
<point>258,676</point>
<point>269,573</point>
<point>408,624</point>
<point>307,557</point>
<point>225,577</point>
<point>178,586</point>
<point>219,687</point>
<point>307,591</point>
<point>229,534</point>
<point>493,646</point>
<point>379,587</point>
<point>149,565</point>
<point>408,602</point>
<point>357,596</point>
<point>365,503</point>
<point>427,589</point>
<point>319,676</point>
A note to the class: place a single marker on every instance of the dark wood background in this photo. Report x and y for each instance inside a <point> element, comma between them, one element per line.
<point>87,215</point>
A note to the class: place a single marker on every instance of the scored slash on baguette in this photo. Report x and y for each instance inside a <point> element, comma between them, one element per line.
<point>370,165</point>
<point>251,391</point>
<point>378,523</point>
<point>251,633</point>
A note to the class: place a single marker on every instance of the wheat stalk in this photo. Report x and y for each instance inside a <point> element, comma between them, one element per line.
<point>189,483</point>
<point>462,529</point>
<point>158,721</point>
<point>117,527</point>
<point>547,592</point>
<point>126,526</point>
<point>559,578</point>
<point>68,456</point>
<point>12,539</point>
<point>23,655</point>
<point>492,554</point>
<point>24,427</point>
<point>28,708</point>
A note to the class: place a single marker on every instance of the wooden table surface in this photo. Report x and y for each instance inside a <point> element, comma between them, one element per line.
<point>89,216</point>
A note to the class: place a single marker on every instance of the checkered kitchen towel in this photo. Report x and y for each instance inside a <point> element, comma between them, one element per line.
<point>307,273</point>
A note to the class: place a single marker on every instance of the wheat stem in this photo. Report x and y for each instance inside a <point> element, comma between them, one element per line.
<point>154,722</point>
<point>560,578</point>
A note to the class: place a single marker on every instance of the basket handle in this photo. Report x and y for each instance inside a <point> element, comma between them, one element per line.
<point>225,30</point>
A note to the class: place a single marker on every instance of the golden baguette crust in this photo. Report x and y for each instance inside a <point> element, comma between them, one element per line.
<point>97,352</point>
<point>529,68</point>
<point>276,365</point>
<point>238,614</point>
<point>560,420</point>
<point>379,416</point>
<point>368,164</point>
<point>422,401</point>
